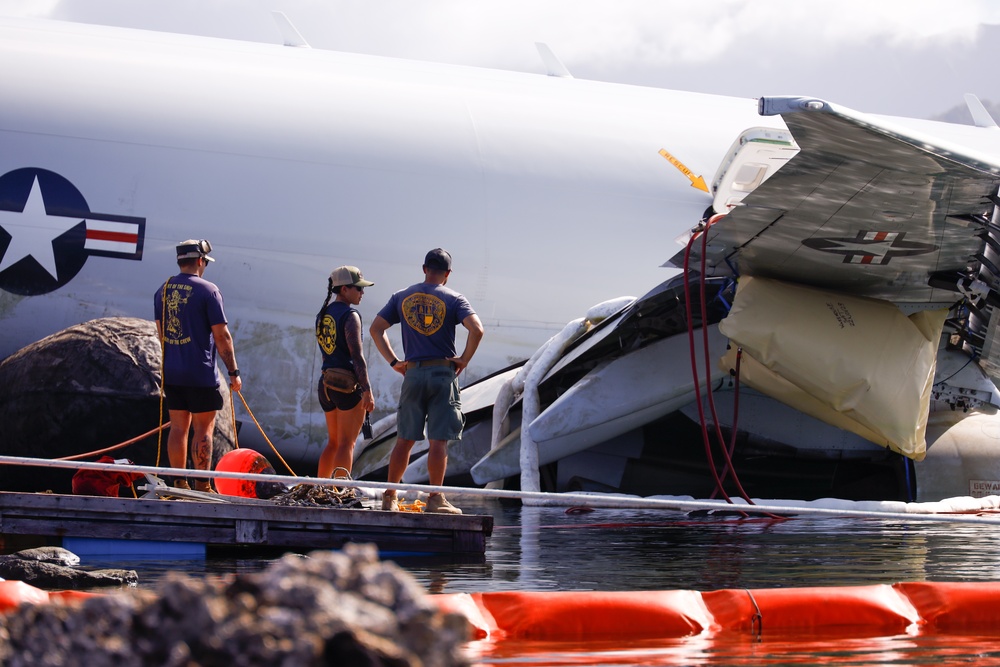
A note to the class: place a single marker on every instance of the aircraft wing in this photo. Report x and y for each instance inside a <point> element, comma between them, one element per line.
<point>864,207</point>
<point>873,207</point>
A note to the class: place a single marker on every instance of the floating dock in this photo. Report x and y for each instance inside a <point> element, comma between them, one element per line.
<point>46,518</point>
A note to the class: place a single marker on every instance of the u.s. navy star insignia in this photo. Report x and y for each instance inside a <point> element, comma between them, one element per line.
<point>871,247</point>
<point>47,232</point>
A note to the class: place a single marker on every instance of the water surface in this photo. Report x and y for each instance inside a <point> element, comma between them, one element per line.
<point>550,549</point>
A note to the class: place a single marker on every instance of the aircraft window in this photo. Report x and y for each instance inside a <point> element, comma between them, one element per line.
<point>749,177</point>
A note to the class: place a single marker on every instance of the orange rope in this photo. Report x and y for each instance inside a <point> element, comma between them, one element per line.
<point>162,335</point>
<point>77,457</point>
<point>261,429</point>
<point>236,431</point>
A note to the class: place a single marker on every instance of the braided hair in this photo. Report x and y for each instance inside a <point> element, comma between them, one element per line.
<point>329,295</point>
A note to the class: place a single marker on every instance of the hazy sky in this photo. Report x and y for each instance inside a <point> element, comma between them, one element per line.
<point>906,57</point>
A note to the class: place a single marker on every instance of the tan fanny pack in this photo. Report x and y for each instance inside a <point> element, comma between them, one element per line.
<point>340,379</point>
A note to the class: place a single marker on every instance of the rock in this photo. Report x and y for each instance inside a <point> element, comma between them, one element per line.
<point>329,608</point>
<point>85,388</point>
<point>53,568</point>
<point>56,555</point>
<point>53,576</point>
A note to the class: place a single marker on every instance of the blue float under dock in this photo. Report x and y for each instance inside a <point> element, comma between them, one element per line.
<point>241,523</point>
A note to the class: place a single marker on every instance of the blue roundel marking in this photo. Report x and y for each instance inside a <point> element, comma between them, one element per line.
<point>47,232</point>
<point>27,276</point>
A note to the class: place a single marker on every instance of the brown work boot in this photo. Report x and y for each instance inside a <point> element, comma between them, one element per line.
<point>204,485</point>
<point>389,502</point>
<point>438,504</point>
<point>181,483</point>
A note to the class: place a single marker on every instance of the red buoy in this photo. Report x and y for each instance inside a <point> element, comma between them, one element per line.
<point>242,460</point>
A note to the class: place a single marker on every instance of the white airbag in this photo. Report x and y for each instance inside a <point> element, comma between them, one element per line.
<point>856,363</point>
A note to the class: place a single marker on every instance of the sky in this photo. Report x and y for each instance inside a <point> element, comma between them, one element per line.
<point>900,57</point>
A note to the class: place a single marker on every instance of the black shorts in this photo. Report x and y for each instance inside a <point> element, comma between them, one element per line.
<point>193,399</point>
<point>337,400</point>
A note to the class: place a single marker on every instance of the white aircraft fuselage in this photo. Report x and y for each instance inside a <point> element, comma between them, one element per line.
<point>549,192</point>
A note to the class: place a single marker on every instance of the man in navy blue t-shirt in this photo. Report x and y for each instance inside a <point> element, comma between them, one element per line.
<point>192,326</point>
<point>428,313</point>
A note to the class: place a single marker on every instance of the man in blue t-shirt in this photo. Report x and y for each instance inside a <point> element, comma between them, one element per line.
<point>428,313</point>
<point>192,325</point>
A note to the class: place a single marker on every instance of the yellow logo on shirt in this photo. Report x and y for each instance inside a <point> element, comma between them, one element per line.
<point>424,312</point>
<point>173,332</point>
<point>326,334</point>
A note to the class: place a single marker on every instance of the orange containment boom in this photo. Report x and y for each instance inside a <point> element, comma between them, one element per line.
<point>870,611</point>
<point>15,593</point>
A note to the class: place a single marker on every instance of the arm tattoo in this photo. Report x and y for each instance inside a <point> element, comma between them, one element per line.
<point>352,332</point>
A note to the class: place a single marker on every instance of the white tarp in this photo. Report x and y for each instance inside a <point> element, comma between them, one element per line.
<point>858,364</point>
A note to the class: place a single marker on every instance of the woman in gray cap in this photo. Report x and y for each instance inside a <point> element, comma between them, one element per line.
<point>345,392</point>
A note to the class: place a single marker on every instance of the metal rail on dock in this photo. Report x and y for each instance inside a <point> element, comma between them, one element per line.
<point>215,520</point>
<point>957,510</point>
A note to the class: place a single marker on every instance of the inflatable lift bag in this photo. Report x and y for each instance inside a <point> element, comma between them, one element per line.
<point>856,363</point>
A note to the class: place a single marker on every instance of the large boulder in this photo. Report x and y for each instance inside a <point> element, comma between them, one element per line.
<point>83,389</point>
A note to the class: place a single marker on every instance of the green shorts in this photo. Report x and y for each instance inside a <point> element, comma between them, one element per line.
<point>430,395</point>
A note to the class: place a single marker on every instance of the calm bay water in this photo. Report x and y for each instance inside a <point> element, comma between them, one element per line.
<point>548,549</point>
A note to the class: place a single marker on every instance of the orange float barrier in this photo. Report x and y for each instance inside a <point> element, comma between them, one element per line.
<point>546,616</point>
<point>15,593</point>
<point>878,609</point>
<point>482,622</point>
<point>70,597</point>
<point>956,606</point>
<point>859,611</point>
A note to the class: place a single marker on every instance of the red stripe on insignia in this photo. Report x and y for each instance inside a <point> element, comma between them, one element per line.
<point>118,237</point>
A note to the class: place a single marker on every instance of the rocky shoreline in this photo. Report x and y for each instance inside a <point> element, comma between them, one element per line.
<point>326,608</point>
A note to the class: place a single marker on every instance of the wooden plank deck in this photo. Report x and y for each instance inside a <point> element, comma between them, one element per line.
<point>237,524</point>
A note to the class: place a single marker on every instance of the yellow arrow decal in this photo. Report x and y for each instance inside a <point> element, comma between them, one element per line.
<point>696,181</point>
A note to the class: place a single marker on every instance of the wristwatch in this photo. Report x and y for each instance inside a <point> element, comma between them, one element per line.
<point>392,364</point>
<point>234,374</point>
